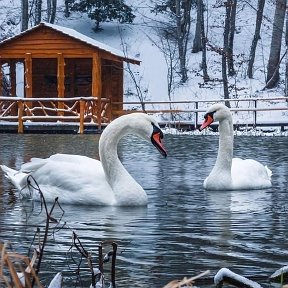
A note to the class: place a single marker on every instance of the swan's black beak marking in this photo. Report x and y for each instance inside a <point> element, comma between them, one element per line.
<point>156,137</point>
<point>208,120</point>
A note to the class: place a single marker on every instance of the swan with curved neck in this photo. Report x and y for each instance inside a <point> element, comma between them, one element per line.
<point>231,173</point>
<point>76,179</point>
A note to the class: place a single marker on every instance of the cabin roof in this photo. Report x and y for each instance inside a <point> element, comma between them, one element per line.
<point>80,37</point>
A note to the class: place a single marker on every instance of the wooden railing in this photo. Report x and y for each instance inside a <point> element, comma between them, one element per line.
<point>87,110</point>
<point>81,110</point>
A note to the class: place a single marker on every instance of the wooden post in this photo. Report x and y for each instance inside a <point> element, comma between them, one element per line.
<point>1,79</point>
<point>28,77</point>
<point>20,116</point>
<point>13,83</point>
<point>196,115</point>
<point>109,114</point>
<point>81,124</point>
<point>255,114</point>
<point>60,81</point>
<point>100,257</point>
<point>97,84</point>
<point>13,77</point>
<point>113,264</point>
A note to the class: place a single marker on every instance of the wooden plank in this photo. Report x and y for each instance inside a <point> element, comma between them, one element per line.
<point>81,125</point>
<point>43,54</point>
<point>43,117</point>
<point>13,77</point>
<point>28,75</point>
<point>60,81</point>
<point>97,84</point>
<point>1,78</point>
<point>20,115</point>
<point>61,75</point>
<point>51,46</point>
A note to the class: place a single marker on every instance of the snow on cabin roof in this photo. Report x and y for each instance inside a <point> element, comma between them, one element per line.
<point>77,35</point>
<point>83,38</point>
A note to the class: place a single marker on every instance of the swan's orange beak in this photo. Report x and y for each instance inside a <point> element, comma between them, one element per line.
<point>156,137</point>
<point>208,121</point>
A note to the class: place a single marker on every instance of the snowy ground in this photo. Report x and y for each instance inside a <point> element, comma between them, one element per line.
<point>141,41</point>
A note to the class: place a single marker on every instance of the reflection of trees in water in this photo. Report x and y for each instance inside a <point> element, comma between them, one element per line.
<point>183,230</point>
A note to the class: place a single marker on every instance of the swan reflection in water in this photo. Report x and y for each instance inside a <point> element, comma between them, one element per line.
<point>93,225</point>
<point>197,229</point>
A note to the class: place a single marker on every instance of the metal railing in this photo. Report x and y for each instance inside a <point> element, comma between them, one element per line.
<point>192,111</point>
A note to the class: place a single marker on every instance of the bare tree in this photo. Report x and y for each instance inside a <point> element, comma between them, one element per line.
<point>275,47</point>
<point>49,5</point>
<point>228,6</point>
<point>183,21</point>
<point>67,8</point>
<point>38,11</point>
<point>256,37</point>
<point>203,41</point>
<point>51,10</point>
<point>197,41</point>
<point>136,79</point>
<point>178,27</point>
<point>24,15</point>
<point>230,58</point>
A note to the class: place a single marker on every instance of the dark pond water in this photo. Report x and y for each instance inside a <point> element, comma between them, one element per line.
<point>184,230</point>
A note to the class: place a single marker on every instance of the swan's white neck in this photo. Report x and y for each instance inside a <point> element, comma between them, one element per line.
<point>125,188</point>
<point>225,151</point>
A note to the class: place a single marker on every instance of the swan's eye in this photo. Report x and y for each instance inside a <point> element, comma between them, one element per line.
<point>157,130</point>
<point>209,114</point>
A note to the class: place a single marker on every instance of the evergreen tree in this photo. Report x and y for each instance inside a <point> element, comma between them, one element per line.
<point>104,10</point>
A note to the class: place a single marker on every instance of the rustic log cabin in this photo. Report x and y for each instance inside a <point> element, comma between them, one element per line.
<point>60,68</point>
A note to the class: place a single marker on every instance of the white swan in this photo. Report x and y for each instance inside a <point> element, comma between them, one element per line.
<point>76,179</point>
<point>228,173</point>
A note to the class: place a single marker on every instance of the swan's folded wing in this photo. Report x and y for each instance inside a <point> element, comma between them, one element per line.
<point>36,163</point>
<point>73,179</point>
<point>250,173</point>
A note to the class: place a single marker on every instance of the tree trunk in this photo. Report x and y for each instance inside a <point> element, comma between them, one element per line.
<point>197,42</point>
<point>38,11</point>
<point>259,17</point>
<point>24,15</point>
<point>67,11</point>
<point>203,40</point>
<point>48,10</point>
<point>286,66</point>
<point>225,51</point>
<point>53,11</point>
<point>275,48</point>
<point>182,31</point>
<point>182,58</point>
<point>230,49</point>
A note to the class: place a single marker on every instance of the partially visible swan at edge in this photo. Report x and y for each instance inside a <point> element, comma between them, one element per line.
<point>76,179</point>
<point>228,173</point>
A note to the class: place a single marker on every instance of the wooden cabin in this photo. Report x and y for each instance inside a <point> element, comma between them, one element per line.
<point>59,62</point>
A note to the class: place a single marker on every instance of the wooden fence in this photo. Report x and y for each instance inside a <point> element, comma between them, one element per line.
<point>99,112</point>
<point>50,110</point>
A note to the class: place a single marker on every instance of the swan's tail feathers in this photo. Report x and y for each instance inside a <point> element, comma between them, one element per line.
<point>17,178</point>
<point>33,164</point>
<point>269,172</point>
